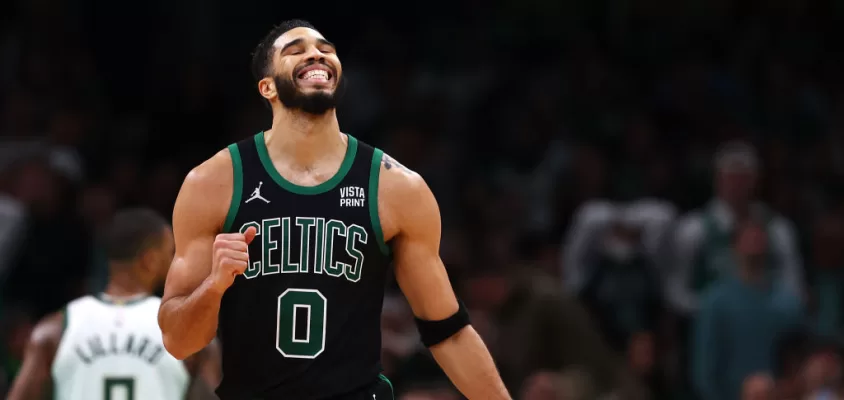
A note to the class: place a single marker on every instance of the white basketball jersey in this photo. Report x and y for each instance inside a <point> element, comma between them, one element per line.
<point>115,352</point>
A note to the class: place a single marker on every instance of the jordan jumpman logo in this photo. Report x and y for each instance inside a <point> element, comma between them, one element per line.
<point>256,194</point>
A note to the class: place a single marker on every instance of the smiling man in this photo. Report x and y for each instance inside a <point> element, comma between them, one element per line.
<point>283,242</point>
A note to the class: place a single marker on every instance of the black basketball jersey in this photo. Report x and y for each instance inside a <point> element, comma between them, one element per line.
<point>303,321</point>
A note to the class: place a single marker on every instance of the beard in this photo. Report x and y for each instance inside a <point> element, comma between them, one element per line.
<point>316,103</point>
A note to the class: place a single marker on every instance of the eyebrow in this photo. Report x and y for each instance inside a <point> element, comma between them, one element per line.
<point>299,41</point>
<point>327,43</point>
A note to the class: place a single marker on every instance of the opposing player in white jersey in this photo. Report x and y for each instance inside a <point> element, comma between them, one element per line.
<point>109,346</point>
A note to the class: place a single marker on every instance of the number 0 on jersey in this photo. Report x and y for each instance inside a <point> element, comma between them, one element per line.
<point>301,306</point>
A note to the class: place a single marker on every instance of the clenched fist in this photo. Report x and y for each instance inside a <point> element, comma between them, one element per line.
<point>231,257</point>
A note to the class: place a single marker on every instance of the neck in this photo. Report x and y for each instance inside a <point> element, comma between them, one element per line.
<point>303,137</point>
<point>123,284</point>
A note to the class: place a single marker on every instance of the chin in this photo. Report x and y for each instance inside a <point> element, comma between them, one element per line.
<point>311,90</point>
<point>315,98</point>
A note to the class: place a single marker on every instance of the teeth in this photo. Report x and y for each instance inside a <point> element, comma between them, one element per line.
<point>316,73</point>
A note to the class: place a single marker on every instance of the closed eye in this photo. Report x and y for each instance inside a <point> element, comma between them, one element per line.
<point>294,47</point>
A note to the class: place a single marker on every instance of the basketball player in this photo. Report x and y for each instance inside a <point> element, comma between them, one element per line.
<point>283,242</point>
<point>109,346</point>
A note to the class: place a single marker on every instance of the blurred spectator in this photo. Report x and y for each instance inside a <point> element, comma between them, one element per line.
<point>96,206</point>
<point>430,392</point>
<point>702,251</point>
<point>543,385</point>
<point>12,216</point>
<point>46,279</point>
<point>576,384</point>
<point>642,361</point>
<point>536,161</point>
<point>590,237</point>
<point>791,359</point>
<point>742,320</point>
<point>623,292</point>
<point>758,387</point>
<point>554,330</point>
<point>399,337</point>
<point>610,262</point>
<point>828,273</point>
<point>17,324</point>
<point>822,377</point>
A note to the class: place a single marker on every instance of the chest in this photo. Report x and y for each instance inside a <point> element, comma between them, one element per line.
<point>307,234</point>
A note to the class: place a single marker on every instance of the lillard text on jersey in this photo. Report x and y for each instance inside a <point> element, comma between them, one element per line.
<point>99,346</point>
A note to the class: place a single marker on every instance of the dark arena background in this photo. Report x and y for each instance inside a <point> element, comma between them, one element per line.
<point>592,160</point>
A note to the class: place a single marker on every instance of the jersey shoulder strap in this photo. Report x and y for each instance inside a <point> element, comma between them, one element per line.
<point>237,183</point>
<point>374,155</point>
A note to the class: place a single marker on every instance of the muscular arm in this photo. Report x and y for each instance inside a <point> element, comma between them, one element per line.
<point>33,381</point>
<point>412,221</point>
<point>190,305</point>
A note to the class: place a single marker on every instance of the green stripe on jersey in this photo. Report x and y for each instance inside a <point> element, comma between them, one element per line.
<point>345,166</point>
<point>374,177</point>
<point>237,187</point>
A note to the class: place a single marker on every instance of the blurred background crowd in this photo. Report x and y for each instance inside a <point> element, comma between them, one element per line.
<point>641,199</point>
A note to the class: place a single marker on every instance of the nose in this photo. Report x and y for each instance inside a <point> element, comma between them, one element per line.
<point>314,54</point>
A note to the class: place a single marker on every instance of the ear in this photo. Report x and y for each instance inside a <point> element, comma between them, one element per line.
<point>267,88</point>
<point>147,261</point>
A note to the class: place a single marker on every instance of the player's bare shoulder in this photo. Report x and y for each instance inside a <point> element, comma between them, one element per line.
<point>396,175</point>
<point>403,197</point>
<point>214,173</point>
<point>207,190</point>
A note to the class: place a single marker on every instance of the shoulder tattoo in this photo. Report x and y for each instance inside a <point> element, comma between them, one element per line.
<point>390,162</point>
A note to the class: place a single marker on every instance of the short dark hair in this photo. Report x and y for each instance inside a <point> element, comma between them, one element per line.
<point>262,57</point>
<point>131,232</point>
